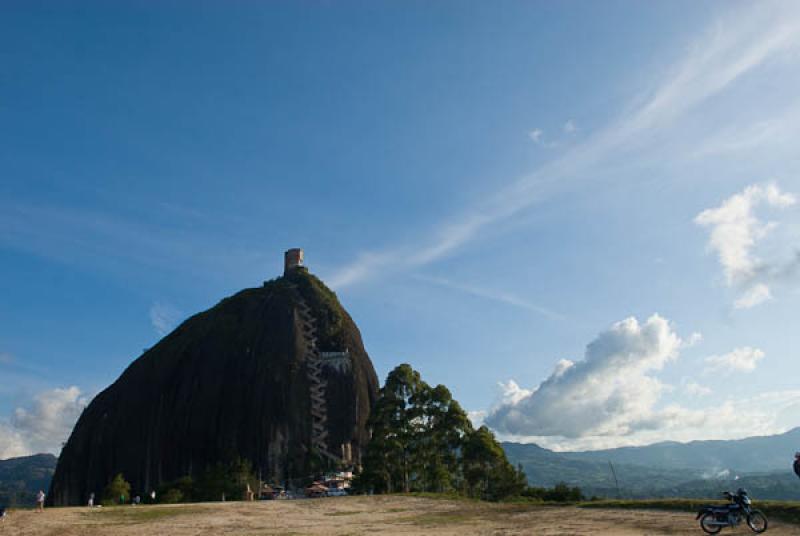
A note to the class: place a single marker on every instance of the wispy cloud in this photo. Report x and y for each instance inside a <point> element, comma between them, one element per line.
<point>506,298</point>
<point>755,295</point>
<point>735,231</point>
<point>536,135</point>
<point>735,45</point>
<point>693,388</point>
<point>739,360</point>
<point>78,235</point>
<point>164,317</point>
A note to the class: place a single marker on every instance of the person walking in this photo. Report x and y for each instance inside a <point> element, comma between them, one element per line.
<point>40,501</point>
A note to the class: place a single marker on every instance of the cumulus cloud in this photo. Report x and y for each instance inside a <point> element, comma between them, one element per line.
<point>611,392</point>
<point>11,442</point>
<point>614,397</point>
<point>44,425</point>
<point>735,231</point>
<point>163,317</point>
<point>739,360</point>
<point>511,393</point>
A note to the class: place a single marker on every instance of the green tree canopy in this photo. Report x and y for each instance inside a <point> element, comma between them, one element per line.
<point>117,491</point>
<point>422,440</point>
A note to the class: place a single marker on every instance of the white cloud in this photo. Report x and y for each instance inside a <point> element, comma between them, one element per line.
<point>12,444</point>
<point>758,293</point>
<point>734,418</point>
<point>536,135</point>
<point>693,340</point>
<point>511,393</point>
<point>735,45</point>
<point>695,389</point>
<point>739,360</point>
<point>476,418</point>
<point>569,127</point>
<point>164,317</point>
<point>611,392</point>
<point>735,231</point>
<point>613,397</point>
<point>43,426</point>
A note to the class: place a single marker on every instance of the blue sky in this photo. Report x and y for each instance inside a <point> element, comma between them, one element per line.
<point>490,188</point>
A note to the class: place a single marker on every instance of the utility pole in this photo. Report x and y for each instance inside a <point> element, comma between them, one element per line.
<point>616,482</point>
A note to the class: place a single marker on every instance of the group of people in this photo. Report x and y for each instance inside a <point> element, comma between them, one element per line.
<point>122,499</point>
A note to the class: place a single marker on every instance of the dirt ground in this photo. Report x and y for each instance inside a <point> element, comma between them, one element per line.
<point>342,516</point>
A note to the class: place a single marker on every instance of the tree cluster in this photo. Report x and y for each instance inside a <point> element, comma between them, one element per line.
<point>422,440</point>
<point>228,480</point>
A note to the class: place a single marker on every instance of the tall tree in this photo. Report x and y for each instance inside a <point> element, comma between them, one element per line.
<point>488,473</point>
<point>389,457</point>
<point>422,440</point>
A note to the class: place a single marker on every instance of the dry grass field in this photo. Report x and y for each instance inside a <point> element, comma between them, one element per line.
<point>357,515</point>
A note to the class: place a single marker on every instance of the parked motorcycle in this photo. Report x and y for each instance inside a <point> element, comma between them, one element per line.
<point>714,517</point>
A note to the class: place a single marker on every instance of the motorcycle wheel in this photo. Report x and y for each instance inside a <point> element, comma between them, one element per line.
<point>757,522</point>
<point>709,529</point>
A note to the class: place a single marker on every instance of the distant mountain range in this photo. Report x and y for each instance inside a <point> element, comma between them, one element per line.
<point>668,469</point>
<point>21,478</point>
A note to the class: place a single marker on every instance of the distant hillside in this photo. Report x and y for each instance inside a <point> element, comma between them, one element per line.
<point>750,455</point>
<point>696,469</point>
<point>21,478</point>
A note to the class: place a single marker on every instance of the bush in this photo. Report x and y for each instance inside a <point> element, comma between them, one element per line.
<point>172,496</point>
<point>184,486</point>
<point>118,491</point>
<point>561,493</point>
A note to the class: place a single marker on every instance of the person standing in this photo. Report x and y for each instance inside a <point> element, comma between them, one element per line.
<point>797,463</point>
<point>91,500</point>
<point>40,501</point>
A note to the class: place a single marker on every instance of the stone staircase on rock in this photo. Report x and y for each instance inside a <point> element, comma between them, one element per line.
<point>318,384</point>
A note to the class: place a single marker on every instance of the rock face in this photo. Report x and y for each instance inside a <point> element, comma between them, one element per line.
<point>277,375</point>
